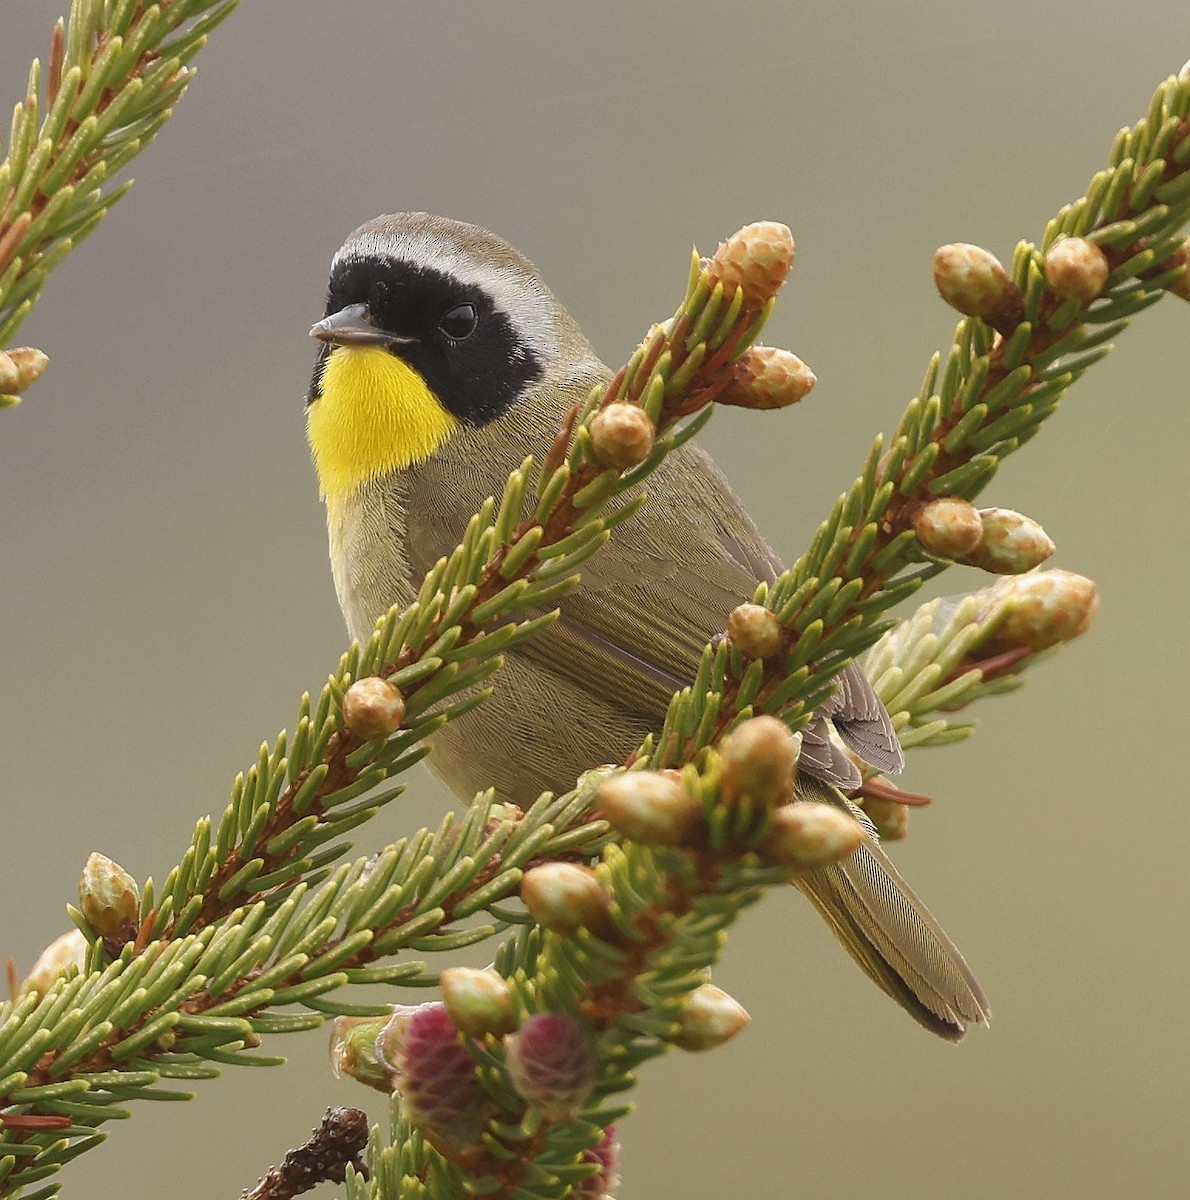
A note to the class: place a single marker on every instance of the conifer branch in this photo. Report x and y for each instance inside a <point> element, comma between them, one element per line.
<point>115,70</point>
<point>256,927</point>
<point>1103,259</point>
<point>612,974</point>
<point>228,940</point>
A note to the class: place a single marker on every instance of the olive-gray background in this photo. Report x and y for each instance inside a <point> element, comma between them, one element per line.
<point>165,596</point>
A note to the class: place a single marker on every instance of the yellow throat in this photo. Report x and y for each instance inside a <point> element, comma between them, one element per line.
<point>376,414</point>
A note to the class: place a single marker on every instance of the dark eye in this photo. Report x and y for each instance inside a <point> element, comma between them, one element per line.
<point>459,321</point>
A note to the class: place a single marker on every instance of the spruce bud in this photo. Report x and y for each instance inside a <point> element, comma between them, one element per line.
<point>373,708</point>
<point>1076,269</point>
<point>808,834</point>
<point>759,759</point>
<point>756,258</point>
<point>708,1018</point>
<point>622,436</point>
<point>1011,543</point>
<point>754,631</point>
<point>651,807</point>
<point>949,527</point>
<point>65,955</point>
<point>973,281</point>
<point>766,378</point>
<point>353,1050</point>
<point>566,897</point>
<point>30,364</point>
<point>479,1002</point>
<point>109,898</point>
<point>890,818</point>
<point>1045,608</point>
<point>607,1157</point>
<point>552,1063</point>
<point>10,374</point>
<point>436,1078</point>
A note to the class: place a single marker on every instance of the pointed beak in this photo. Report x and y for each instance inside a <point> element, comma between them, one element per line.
<point>350,327</point>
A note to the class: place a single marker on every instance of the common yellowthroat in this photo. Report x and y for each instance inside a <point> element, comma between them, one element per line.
<point>445,360</point>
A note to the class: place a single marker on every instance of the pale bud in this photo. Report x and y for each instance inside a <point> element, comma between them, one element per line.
<point>65,955</point>
<point>890,818</point>
<point>754,631</point>
<point>552,1064</point>
<point>10,374</point>
<point>756,258</point>
<point>808,834</point>
<point>1076,269</point>
<point>109,898</point>
<point>565,897</point>
<point>479,1002</point>
<point>651,807</point>
<point>949,527</point>
<point>765,378</point>
<point>30,364</point>
<point>972,280</point>
<point>353,1050</point>
<point>708,1018</point>
<point>622,436</point>
<point>373,708</point>
<point>1011,543</point>
<point>1045,608</point>
<point>759,759</point>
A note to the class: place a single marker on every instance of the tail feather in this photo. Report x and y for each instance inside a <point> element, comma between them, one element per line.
<point>890,934</point>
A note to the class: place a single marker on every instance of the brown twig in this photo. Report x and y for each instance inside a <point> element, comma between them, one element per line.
<point>336,1144</point>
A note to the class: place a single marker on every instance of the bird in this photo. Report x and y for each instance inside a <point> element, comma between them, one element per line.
<point>445,360</point>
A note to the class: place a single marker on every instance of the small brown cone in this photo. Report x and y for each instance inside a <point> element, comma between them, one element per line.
<point>808,834</point>
<point>949,527</point>
<point>1011,543</point>
<point>765,378</point>
<point>622,436</point>
<point>708,1018</point>
<point>65,955</point>
<point>754,631</point>
<point>1045,608</point>
<point>10,374</point>
<point>30,363</point>
<point>757,258</point>
<point>109,898</point>
<point>759,761</point>
<point>890,818</point>
<point>650,807</point>
<point>972,280</point>
<point>373,708</point>
<point>1076,269</point>
<point>566,897</point>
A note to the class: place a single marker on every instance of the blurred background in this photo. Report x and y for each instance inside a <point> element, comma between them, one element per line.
<point>165,596</point>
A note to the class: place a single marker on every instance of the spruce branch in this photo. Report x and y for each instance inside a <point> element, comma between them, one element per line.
<point>256,919</point>
<point>229,939</point>
<point>114,73</point>
<point>1026,340</point>
<point>612,974</point>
